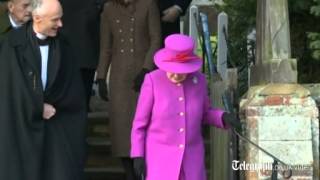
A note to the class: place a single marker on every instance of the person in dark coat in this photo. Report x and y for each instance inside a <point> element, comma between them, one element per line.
<point>81,28</point>
<point>14,14</point>
<point>171,11</point>
<point>42,109</point>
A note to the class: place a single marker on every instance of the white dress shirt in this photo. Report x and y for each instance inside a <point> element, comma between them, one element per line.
<point>13,23</point>
<point>44,51</point>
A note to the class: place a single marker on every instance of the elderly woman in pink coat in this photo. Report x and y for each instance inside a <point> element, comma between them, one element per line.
<point>166,141</point>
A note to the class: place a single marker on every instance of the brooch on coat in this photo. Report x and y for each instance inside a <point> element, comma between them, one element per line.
<point>195,80</point>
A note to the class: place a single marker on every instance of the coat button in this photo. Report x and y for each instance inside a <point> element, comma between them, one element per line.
<point>30,73</point>
<point>181,113</point>
<point>131,29</point>
<point>131,39</point>
<point>132,50</point>
<point>122,40</point>
<point>180,98</point>
<point>117,21</point>
<point>132,19</point>
<point>120,30</point>
<point>122,51</point>
<point>181,146</point>
<point>195,80</point>
<point>181,130</point>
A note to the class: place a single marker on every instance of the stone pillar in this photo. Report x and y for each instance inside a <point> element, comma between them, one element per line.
<point>193,31</point>
<point>280,117</point>
<point>283,119</point>
<point>273,58</point>
<point>222,45</point>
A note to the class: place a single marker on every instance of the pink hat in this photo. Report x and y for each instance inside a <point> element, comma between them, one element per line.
<point>177,56</point>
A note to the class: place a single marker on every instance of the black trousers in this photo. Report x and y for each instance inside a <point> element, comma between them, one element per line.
<point>128,168</point>
<point>87,78</point>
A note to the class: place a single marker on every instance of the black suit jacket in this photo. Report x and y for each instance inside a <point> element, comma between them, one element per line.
<point>30,147</point>
<point>81,22</point>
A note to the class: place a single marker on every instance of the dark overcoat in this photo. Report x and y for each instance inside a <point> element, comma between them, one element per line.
<point>170,28</point>
<point>129,38</point>
<point>32,148</point>
<point>81,20</point>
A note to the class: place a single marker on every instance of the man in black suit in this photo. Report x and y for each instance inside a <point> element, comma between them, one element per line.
<point>81,28</point>
<point>171,10</point>
<point>42,110</point>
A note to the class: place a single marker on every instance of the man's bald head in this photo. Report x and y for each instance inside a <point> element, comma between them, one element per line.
<point>46,16</point>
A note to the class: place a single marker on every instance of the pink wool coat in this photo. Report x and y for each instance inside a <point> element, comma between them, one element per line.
<point>167,126</point>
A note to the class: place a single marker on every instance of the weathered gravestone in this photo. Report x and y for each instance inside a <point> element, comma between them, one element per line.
<point>273,54</point>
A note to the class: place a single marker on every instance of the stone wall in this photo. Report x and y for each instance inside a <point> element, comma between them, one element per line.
<point>283,119</point>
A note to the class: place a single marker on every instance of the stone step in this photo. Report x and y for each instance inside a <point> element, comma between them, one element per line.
<point>100,164</point>
<point>99,140</point>
<point>98,130</point>
<point>99,145</point>
<point>98,117</point>
<point>103,160</point>
<point>98,105</point>
<point>104,174</point>
<point>98,124</point>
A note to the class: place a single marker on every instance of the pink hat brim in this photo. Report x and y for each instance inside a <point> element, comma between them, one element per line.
<point>190,66</point>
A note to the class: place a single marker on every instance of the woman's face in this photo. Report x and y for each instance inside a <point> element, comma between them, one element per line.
<point>176,78</point>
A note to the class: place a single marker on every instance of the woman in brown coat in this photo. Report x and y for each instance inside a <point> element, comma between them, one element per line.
<point>130,35</point>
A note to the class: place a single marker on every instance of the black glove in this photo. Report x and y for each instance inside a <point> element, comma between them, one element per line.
<point>139,166</point>
<point>103,89</point>
<point>231,120</point>
<point>138,80</point>
<point>100,4</point>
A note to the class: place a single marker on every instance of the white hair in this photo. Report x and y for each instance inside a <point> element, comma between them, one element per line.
<point>35,5</point>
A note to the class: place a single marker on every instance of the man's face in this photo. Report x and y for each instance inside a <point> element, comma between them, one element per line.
<point>50,22</point>
<point>20,10</point>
